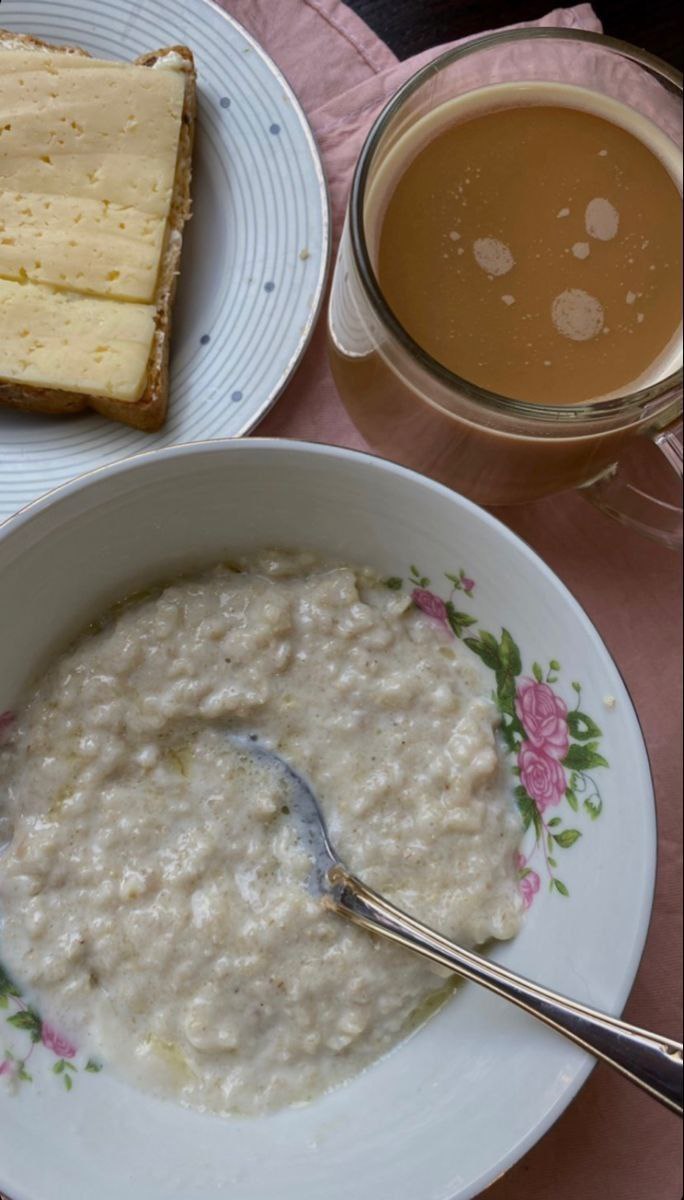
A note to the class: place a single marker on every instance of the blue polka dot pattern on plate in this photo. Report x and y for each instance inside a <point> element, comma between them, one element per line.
<point>274,128</point>
<point>205,339</point>
<point>269,286</point>
<point>225,102</point>
<point>236,397</point>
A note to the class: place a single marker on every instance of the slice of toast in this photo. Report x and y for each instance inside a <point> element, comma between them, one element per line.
<point>149,411</point>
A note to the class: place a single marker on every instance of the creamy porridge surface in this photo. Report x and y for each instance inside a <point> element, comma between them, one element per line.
<point>153,892</point>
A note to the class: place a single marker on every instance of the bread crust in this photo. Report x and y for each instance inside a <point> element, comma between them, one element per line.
<point>149,411</point>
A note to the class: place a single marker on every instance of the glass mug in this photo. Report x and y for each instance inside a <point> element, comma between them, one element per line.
<point>496,450</point>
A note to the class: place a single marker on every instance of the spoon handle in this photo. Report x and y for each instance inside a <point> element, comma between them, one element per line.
<point>653,1062</point>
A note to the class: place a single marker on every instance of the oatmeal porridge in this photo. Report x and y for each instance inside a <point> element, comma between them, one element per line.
<point>154,892</point>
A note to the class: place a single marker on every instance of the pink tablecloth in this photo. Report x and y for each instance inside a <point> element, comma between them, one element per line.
<point>612,1141</point>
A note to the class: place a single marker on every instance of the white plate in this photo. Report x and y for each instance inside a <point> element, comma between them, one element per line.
<point>446,1112</point>
<point>256,250</point>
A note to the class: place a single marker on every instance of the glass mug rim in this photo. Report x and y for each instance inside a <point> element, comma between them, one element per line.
<point>630,405</point>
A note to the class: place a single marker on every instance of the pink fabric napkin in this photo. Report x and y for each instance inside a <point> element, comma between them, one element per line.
<point>612,1140</point>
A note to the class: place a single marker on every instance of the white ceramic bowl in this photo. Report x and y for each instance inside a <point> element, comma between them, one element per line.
<point>450,1109</point>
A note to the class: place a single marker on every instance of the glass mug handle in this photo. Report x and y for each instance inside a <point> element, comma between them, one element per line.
<point>615,495</point>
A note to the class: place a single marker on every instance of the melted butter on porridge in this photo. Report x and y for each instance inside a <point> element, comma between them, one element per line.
<point>154,892</point>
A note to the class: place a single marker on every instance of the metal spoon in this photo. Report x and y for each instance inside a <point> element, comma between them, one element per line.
<point>653,1062</point>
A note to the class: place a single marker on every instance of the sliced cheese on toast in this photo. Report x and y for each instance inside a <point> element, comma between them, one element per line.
<point>85,344</point>
<point>86,245</point>
<point>88,154</point>
<point>107,132</point>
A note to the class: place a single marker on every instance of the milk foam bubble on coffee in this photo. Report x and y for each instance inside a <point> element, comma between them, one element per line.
<point>601,219</point>
<point>493,256</point>
<point>577,315</point>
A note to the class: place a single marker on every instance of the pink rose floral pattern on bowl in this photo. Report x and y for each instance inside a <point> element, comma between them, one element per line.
<point>553,744</point>
<point>28,1031</point>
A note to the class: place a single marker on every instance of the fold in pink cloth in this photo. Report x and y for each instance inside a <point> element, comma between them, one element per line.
<point>612,1139</point>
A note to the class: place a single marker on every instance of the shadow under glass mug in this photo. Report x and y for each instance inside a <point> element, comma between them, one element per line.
<point>408,406</point>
